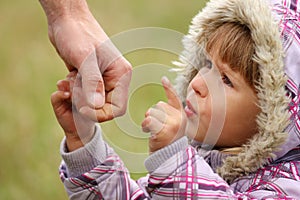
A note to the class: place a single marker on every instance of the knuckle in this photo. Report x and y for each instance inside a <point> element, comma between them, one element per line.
<point>143,124</point>
<point>127,66</point>
<point>120,110</point>
<point>148,112</point>
<point>161,104</point>
<point>103,118</point>
<point>53,96</point>
<point>151,111</point>
<point>149,119</point>
<point>93,78</point>
<point>58,82</point>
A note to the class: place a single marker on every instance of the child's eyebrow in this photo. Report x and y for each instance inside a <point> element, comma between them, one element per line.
<point>224,68</point>
<point>234,76</point>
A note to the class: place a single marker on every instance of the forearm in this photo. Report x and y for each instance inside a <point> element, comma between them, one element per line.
<point>61,8</point>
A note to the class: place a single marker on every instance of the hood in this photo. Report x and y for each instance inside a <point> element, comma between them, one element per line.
<point>277,91</point>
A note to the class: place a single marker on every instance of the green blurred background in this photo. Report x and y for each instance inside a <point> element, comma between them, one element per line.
<point>30,68</point>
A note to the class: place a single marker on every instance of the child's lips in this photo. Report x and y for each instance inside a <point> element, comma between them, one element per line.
<point>189,110</point>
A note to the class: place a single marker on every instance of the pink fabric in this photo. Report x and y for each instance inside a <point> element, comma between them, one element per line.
<point>287,12</point>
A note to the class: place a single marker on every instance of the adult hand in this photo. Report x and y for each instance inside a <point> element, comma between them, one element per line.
<point>82,44</point>
<point>165,121</point>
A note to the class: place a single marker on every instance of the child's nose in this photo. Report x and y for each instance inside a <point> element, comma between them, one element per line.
<point>199,85</point>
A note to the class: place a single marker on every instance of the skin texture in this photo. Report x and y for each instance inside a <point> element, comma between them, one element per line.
<point>240,106</point>
<point>78,39</point>
<point>84,47</point>
<point>169,121</point>
<point>78,129</point>
<point>166,120</point>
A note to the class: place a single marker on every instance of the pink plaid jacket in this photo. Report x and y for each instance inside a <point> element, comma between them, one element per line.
<point>97,172</point>
<point>184,175</point>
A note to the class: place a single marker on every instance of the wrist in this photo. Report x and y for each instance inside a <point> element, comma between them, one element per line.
<point>73,145</point>
<point>74,142</point>
<point>160,156</point>
<point>156,144</point>
<point>55,9</point>
<point>85,159</point>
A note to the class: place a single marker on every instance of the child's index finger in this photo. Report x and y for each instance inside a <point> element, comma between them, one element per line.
<point>171,94</point>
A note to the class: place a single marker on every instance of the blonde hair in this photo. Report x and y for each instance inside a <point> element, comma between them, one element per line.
<point>233,44</point>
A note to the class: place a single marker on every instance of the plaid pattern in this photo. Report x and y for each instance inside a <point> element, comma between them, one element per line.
<point>294,106</point>
<point>184,181</point>
<point>186,175</point>
<point>290,29</point>
<point>293,155</point>
<point>271,182</point>
<point>287,12</point>
<point>193,178</point>
<point>110,180</point>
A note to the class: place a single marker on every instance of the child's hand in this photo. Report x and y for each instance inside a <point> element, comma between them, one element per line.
<point>78,129</point>
<point>165,121</point>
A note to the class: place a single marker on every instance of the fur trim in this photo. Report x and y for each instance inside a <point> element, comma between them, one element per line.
<point>273,119</point>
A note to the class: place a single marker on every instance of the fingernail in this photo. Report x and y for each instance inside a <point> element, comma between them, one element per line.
<point>165,80</point>
<point>96,100</point>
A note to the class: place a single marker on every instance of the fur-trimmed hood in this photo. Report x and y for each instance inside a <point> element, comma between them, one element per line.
<point>277,133</point>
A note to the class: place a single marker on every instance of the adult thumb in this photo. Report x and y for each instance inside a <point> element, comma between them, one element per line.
<point>173,99</point>
<point>92,81</point>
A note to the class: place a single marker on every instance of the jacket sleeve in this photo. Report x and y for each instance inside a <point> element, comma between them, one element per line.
<point>179,172</point>
<point>96,172</point>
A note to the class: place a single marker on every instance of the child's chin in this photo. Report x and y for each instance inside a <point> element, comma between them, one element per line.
<point>191,131</point>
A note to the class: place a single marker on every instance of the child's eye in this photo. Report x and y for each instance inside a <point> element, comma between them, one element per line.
<point>226,80</point>
<point>208,64</point>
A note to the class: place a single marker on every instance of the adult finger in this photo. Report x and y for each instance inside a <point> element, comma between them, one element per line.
<point>171,94</point>
<point>78,97</point>
<point>116,72</point>
<point>115,100</point>
<point>92,81</point>
<point>105,113</point>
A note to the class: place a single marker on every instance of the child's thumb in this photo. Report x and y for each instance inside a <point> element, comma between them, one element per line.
<point>173,99</point>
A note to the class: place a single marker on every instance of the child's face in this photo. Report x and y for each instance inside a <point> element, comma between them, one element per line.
<point>221,107</point>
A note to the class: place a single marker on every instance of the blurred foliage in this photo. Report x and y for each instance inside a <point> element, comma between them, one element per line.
<point>30,68</point>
